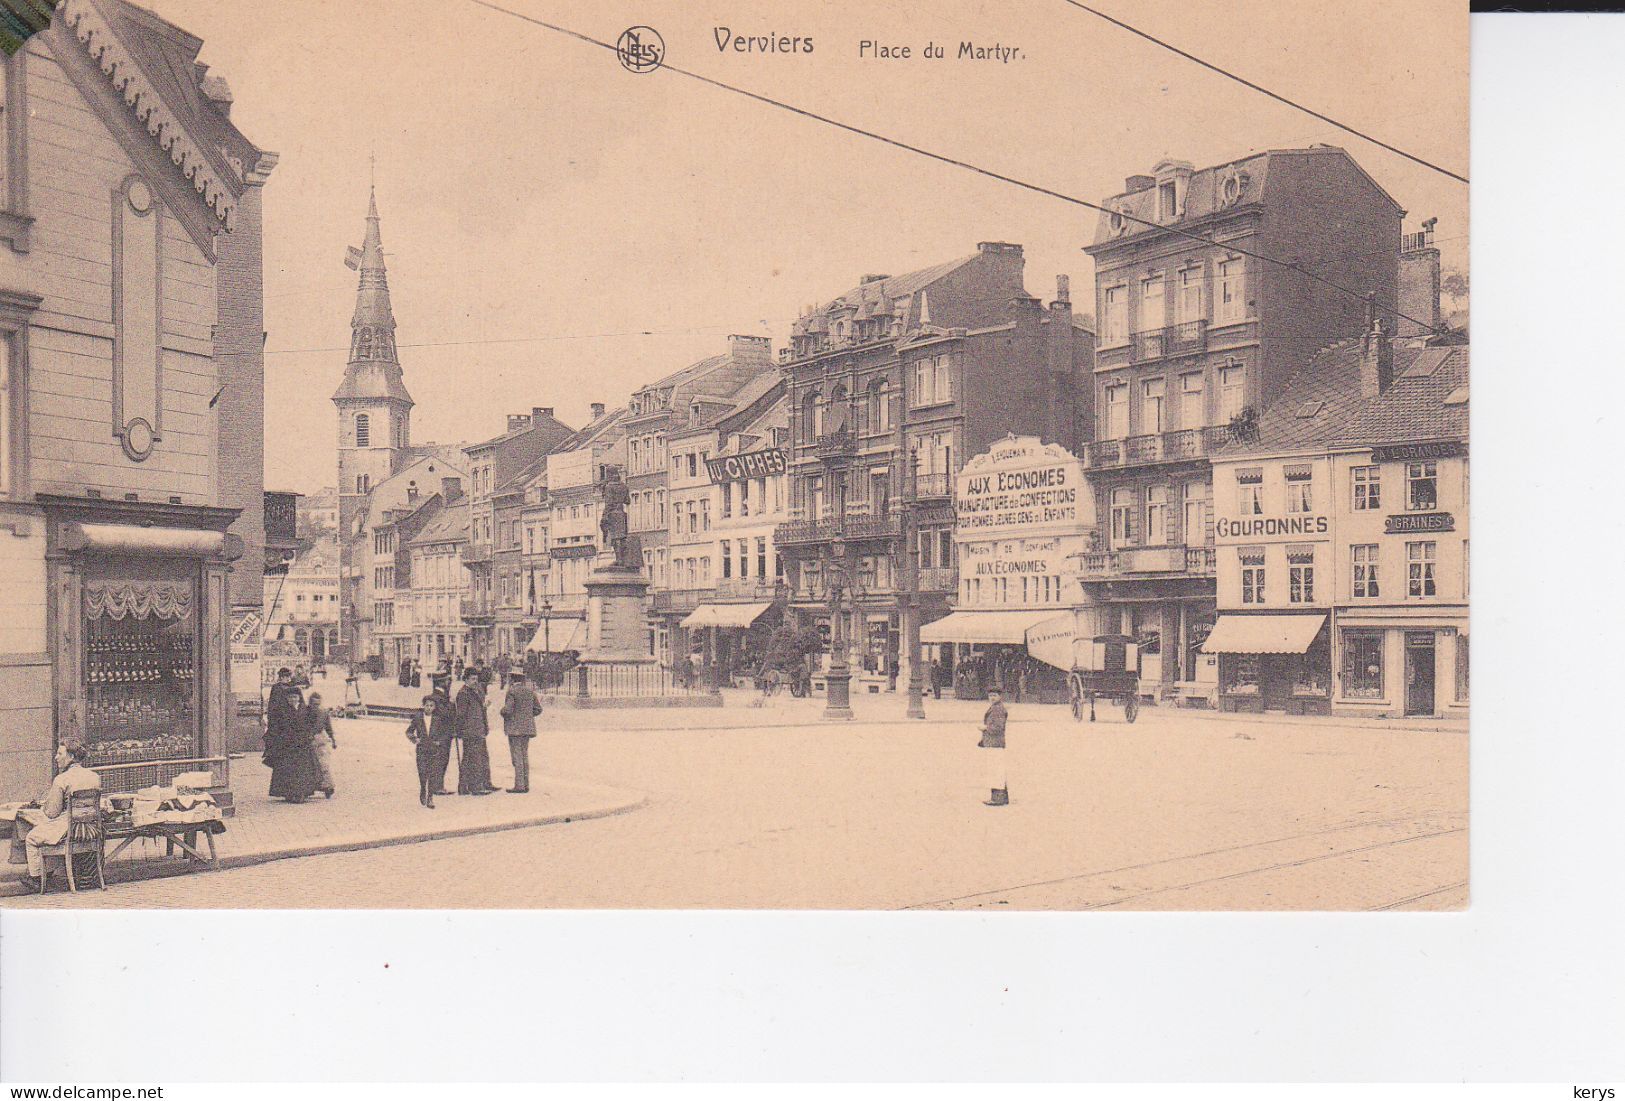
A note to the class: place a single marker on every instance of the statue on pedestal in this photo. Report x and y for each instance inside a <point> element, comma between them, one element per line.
<point>612,525</point>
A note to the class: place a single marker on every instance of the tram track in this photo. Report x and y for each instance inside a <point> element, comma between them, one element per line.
<point>1149,865</point>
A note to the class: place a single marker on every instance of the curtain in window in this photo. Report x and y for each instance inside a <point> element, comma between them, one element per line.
<point>142,599</point>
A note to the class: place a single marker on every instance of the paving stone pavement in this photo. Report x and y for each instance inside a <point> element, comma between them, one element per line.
<point>376,804</point>
<point>1173,812</point>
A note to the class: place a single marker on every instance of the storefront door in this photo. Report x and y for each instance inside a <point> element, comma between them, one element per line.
<point>1277,673</point>
<point>1419,673</point>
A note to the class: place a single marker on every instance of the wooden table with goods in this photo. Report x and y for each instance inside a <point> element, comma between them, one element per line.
<point>192,838</point>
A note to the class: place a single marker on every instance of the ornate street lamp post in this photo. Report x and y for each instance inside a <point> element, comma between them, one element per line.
<point>838,678</point>
<point>911,589</point>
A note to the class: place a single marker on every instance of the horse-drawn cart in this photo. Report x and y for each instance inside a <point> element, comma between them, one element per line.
<point>1105,667</point>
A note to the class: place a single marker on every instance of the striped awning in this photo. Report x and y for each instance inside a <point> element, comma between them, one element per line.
<point>725,615</point>
<point>558,634</point>
<point>993,625</point>
<point>1263,634</point>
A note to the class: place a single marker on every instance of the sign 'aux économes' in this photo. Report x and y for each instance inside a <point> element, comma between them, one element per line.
<point>1024,486</point>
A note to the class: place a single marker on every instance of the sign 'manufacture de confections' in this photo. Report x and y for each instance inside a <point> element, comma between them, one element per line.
<point>752,464</point>
<point>1022,486</point>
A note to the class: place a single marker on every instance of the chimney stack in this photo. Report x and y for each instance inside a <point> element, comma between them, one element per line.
<point>516,421</point>
<point>1419,282</point>
<point>1376,354</point>
<point>1139,183</point>
<point>539,413</point>
<point>750,347</point>
<point>597,409</point>
<point>1063,290</point>
<point>451,489</point>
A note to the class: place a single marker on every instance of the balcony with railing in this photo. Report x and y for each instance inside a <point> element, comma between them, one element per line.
<point>933,485</point>
<point>1161,447</point>
<point>679,601</point>
<point>859,525</point>
<point>1185,338</point>
<point>476,610</point>
<point>746,589</point>
<point>939,579</point>
<point>1130,562</point>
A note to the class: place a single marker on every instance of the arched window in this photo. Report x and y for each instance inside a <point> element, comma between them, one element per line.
<point>363,430</point>
<point>835,417</point>
<point>363,344</point>
<point>809,416</point>
<point>880,418</point>
<point>301,639</point>
<point>363,483</point>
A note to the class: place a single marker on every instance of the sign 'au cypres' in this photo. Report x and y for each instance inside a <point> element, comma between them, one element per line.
<point>1022,485</point>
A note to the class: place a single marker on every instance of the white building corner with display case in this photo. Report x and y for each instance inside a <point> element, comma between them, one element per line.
<point>131,399</point>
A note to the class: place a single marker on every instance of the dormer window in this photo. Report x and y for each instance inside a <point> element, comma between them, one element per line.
<point>1167,200</point>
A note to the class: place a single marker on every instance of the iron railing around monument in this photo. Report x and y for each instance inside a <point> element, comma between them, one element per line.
<point>630,681</point>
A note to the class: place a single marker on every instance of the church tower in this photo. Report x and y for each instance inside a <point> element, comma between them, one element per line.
<point>375,411</point>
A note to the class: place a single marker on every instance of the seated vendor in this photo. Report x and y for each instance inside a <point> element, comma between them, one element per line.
<point>74,776</point>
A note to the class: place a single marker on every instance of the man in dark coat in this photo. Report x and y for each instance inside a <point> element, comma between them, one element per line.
<point>442,726</point>
<point>474,768</point>
<point>993,722</point>
<point>519,711</point>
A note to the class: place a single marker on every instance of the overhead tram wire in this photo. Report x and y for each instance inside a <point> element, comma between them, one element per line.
<point>943,158</point>
<point>495,340</point>
<point>1259,88</point>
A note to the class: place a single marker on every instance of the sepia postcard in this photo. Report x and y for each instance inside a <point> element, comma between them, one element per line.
<point>862,456</point>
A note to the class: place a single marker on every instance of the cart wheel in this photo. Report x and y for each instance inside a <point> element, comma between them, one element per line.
<point>1131,707</point>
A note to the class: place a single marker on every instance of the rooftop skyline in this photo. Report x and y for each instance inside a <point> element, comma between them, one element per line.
<point>602,206</point>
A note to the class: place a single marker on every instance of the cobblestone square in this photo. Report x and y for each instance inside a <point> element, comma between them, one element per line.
<point>771,807</point>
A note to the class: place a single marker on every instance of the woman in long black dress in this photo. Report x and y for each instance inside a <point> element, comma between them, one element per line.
<point>288,750</point>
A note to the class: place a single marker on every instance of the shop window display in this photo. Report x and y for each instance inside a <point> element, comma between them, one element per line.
<point>140,670</point>
<point>1362,665</point>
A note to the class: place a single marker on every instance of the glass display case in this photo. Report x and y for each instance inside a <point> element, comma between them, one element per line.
<point>140,669</point>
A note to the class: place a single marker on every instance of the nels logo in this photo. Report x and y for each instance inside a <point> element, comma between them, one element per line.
<point>641,49</point>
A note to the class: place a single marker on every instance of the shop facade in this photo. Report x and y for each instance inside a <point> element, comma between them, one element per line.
<point>140,607</point>
<point>130,472</point>
<point>1273,538</point>
<point>1402,629</point>
<point>1022,516</point>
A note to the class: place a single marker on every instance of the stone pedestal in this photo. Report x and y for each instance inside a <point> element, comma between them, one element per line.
<point>617,620</point>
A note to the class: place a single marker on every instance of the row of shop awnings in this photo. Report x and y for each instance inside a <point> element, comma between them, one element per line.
<point>1048,636</point>
<point>725,615</point>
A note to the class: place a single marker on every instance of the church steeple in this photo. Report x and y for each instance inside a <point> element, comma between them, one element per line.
<point>374,370</point>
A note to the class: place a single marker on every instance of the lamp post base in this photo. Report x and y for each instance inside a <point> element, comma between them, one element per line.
<point>838,695</point>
